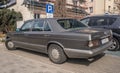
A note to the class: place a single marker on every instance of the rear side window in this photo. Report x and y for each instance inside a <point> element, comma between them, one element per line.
<point>38,26</point>
<point>70,23</point>
<point>41,25</point>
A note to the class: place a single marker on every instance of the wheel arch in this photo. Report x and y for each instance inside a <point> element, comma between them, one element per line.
<point>61,52</point>
<point>7,38</point>
<point>116,36</point>
<point>55,42</point>
<point>117,39</point>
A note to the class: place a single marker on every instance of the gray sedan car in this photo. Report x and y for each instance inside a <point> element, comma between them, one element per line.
<point>60,39</point>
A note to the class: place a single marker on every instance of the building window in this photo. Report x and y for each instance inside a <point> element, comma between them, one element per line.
<point>91,9</point>
<point>91,0</point>
<point>109,7</point>
<point>36,16</point>
<point>75,2</point>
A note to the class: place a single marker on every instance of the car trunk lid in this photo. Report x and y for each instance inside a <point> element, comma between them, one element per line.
<point>95,33</point>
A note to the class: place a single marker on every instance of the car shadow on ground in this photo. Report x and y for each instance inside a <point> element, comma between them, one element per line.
<point>33,52</point>
<point>85,62</point>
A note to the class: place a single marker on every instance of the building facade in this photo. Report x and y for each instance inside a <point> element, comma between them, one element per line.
<point>97,7</point>
<point>111,7</point>
<point>31,9</point>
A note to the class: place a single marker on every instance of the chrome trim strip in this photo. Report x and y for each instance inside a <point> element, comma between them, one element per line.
<point>79,51</point>
<point>30,44</point>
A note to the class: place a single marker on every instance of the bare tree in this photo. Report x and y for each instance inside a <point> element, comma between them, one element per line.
<point>60,8</point>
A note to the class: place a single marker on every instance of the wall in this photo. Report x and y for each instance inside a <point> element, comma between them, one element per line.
<point>99,7</point>
<point>27,14</point>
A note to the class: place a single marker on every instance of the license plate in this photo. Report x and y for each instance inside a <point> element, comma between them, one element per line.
<point>105,40</point>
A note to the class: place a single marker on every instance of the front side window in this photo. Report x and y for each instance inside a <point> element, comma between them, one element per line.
<point>70,23</point>
<point>27,26</point>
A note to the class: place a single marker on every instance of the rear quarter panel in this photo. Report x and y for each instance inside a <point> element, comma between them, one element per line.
<point>70,40</point>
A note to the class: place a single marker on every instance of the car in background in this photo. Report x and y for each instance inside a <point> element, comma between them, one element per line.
<point>7,4</point>
<point>60,39</point>
<point>111,22</point>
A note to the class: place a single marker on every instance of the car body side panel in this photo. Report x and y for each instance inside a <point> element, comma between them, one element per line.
<point>73,39</point>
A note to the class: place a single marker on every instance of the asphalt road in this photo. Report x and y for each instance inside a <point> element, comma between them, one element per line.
<point>101,64</point>
<point>116,53</point>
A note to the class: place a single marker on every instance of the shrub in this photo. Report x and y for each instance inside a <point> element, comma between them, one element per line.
<point>8,19</point>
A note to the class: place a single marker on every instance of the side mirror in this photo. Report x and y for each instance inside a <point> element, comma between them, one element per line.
<point>18,29</point>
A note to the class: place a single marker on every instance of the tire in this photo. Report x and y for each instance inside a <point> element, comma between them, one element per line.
<point>115,45</point>
<point>10,45</point>
<point>56,54</point>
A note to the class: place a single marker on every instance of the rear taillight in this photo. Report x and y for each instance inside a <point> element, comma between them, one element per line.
<point>93,43</point>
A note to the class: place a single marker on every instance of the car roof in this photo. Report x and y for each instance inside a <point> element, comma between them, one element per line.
<point>53,23</point>
<point>115,16</point>
<point>47,19</point>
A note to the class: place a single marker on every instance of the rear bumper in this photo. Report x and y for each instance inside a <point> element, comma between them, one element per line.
<point>77,53</point>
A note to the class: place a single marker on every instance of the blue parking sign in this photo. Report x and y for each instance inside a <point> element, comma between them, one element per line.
<point>49,8</point>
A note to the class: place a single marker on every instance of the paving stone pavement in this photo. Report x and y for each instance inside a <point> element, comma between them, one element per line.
<point>10,63</point>
<point>24,62</point>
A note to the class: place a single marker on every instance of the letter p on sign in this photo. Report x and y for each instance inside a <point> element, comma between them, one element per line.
<point>49,8</point>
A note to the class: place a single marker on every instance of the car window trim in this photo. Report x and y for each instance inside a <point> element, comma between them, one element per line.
<point>86,19</point>
<point>51,30</point>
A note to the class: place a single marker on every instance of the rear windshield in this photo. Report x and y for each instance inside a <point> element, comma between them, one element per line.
<point>70,23</point>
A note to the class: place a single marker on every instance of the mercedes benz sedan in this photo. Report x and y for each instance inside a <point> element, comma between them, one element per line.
<point>60,39</point>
